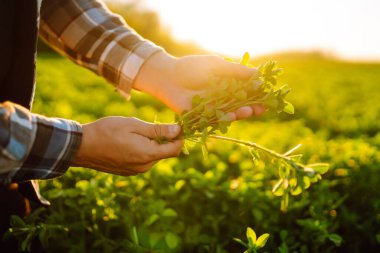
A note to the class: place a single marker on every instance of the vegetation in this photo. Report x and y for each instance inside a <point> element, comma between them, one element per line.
<point>189,204</point>
<point>211,114</point>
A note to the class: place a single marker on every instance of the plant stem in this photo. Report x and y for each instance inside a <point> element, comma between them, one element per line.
<point>287,159</point>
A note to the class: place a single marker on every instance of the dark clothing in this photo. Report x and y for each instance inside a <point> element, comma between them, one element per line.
<point>18,29</point>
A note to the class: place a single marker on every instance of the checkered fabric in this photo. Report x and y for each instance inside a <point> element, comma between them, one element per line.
<point>33,146</point>
<point>92,36</point>
<point>36,147</point>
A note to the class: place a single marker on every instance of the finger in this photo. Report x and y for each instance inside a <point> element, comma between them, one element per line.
<point>258,109</point>
<point>236,70</point>
<point>133,169</point>
<point>244,112</point>
<point>159,131</point>
<point>144,167</point>
<point>170,149</point>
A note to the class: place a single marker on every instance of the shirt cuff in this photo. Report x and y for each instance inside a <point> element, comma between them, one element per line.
<point>52,145</point>
<point>55,144</point>
<point>132,64</point>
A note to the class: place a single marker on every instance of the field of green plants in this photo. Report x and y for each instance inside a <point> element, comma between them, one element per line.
<point>188,204</point>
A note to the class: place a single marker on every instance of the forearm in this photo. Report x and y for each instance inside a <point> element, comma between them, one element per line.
<point>33,146</point>
<point>92,36</point>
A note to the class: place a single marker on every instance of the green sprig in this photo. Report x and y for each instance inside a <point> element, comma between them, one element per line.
<point>211,114</point>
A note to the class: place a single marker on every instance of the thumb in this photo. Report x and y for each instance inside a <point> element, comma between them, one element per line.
<point>169,131</point>
<point>157,131</point>
<point>160,134</point>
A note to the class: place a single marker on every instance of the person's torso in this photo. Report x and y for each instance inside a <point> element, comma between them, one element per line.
<point>18,32</point>
<point>18,41</point>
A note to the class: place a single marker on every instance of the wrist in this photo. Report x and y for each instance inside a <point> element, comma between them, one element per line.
<point>155,73</point>
<point>82,157</point>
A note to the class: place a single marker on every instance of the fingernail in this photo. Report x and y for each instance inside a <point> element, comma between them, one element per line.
<point>174,129</point>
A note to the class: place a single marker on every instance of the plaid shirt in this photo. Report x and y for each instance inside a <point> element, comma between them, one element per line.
<point>36,147</point>
<point>33,146</point>
<point>90,35</point>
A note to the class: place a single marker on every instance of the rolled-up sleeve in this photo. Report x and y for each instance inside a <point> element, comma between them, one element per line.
<point>94,37</point>
<point>33,146</point>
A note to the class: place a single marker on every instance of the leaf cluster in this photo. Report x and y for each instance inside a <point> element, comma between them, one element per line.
<point>26,231</point>
<point>211,113</point>
<point>254,243</point>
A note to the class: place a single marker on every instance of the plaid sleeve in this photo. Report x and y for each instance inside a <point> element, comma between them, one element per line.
<point>90,35</point>
<point>33,146</point>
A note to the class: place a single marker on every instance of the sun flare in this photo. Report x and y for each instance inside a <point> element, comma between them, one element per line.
<point>260,27</point>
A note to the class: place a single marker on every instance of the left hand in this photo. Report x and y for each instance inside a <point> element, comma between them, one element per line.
<point>175,81</point>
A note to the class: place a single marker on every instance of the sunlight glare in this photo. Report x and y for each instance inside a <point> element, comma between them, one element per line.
<point>233,27</point>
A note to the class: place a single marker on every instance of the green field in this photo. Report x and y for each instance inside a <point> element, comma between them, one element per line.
<point>189,204</point>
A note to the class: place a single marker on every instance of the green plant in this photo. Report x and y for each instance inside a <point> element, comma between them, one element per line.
<point>254,244</point>
<point>33,227</point>
<point>336,120</point>
<point>211,114</point>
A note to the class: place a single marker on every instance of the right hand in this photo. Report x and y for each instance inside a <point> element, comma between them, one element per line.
<point>175,81</point>
<point>126,146</point>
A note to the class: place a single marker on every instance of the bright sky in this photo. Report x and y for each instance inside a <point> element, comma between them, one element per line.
<point>349,28</point>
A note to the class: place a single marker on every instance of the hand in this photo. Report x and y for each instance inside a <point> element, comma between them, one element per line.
<point>175,81</point>
<point>126,146</point>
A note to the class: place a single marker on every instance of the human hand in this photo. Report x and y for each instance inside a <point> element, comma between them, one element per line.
<point>175,81</point>
<point>126,146</point>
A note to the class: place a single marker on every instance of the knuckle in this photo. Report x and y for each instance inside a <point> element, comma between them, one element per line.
<point>157,130</point>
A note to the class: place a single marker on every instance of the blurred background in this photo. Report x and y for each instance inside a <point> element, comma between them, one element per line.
<point>348,29</point>
<point>330,52</point>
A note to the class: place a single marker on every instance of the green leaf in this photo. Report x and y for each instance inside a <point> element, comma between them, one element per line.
<point>241,95</point>
<point>171,240</point>
<point>179,184</point>
<point>296,190</point>
<point>336,239</point>
<point>152,219</point>
<point>262,240</point>
<point>251,236</point>
<point>16,221</point>
<point>55,193</point>
<point>134,236</point>
<point>225,118</point>
<point>219,114</point>
<point>154,238</point>
<point>284,170</point>
<point>284,202</point>
<point>320,168</point>
<point>241,242</point>
<point>185,148</point>
<point>196,100</point>
<point>223,127</point>
<point>378,238</point>
<point>169,212</point>
<point>245,60</point>
<point>288,108</point>
<point>27,242</point>
<point>277,189</point>
<point>306,182</point>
